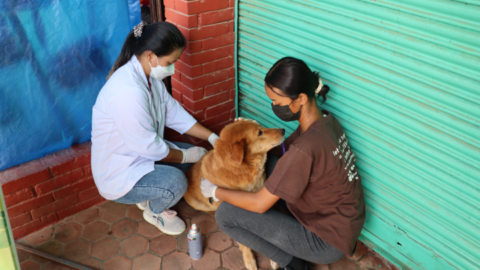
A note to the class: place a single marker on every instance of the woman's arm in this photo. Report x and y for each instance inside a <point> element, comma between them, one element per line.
<point>258,202</point>
<point>199,131</point>
<point>180,120</point>
<point>174,156</point>
<point>191,155</point>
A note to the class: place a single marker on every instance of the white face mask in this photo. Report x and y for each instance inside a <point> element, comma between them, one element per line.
<point>160,72</point>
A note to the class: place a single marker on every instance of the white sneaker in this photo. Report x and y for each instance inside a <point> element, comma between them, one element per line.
<point>167,221</point>
<point>142,205</point>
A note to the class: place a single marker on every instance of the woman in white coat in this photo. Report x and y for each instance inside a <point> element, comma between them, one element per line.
<point>131,161</point>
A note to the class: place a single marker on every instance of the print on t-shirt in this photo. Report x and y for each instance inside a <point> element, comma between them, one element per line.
<point>348,156</point>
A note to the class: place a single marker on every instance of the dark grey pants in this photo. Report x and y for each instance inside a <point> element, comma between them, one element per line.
<point>277,235</point>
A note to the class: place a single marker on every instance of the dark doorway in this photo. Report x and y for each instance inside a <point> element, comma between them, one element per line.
<point>154,11</point>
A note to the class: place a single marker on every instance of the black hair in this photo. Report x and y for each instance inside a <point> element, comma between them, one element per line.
<point>146,16</point>
<point>294,77</point>
<point>162,38</point>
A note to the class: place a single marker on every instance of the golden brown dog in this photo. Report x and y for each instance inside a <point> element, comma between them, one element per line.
<point>236,162</point>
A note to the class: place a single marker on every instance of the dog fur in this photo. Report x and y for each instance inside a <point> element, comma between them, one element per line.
<point>236,162</point>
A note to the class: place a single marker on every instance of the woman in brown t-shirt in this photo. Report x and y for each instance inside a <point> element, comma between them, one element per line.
<point>316,176</point>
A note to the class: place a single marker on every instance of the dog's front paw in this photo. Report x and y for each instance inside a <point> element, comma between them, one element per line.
<point>274,265</point>
<point>249,258</point>
<point>251,264</point>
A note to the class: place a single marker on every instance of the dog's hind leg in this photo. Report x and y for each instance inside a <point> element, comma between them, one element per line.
<point>248,258</point>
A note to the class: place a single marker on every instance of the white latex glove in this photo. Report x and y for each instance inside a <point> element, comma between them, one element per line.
<point>213,138</point>
<point>193,155</point>
<point>208,189</point>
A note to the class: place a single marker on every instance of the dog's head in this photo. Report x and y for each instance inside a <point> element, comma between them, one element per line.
<point>244,137</point>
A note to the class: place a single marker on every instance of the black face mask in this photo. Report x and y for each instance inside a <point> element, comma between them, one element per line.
<point>284,112</point>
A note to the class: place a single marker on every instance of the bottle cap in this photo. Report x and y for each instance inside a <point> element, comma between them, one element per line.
<point>194,229</point>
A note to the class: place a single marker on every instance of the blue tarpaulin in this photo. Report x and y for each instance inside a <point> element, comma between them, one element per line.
<point>55,56</point>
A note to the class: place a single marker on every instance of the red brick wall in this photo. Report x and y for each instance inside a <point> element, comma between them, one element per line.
<point>204,80</point>
<point>41,192</point>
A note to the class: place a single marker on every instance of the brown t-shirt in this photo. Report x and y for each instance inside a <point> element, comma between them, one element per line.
<point>318,179</point>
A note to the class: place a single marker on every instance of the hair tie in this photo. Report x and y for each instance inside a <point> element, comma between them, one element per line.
<point>138,29</point>
<point>319,88</point>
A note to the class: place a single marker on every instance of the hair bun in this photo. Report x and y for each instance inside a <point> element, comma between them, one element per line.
<point>324,90</point>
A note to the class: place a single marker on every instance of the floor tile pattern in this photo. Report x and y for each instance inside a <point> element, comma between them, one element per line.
<point>115,236</point>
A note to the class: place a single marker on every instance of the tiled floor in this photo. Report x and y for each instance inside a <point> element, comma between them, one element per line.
<point>115,236</point>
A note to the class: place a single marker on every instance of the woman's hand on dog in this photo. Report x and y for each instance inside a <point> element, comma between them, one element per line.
<point>208,189</point>
<point>193,155</point>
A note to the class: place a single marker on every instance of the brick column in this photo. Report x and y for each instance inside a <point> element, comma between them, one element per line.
<point>204,80</point>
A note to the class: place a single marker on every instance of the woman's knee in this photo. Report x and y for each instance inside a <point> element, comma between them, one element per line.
<point>224,215</point>
<point>330,254</point>
<point>178,181</point>
<point>182,184</point>
<point>330,258</point>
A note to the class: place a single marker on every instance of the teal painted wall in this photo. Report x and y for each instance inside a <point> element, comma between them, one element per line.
<point>405,85</point>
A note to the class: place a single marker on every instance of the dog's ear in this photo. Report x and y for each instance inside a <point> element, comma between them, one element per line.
<point>238,151</point>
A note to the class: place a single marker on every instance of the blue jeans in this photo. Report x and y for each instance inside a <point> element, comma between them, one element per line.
<point>163,187</point>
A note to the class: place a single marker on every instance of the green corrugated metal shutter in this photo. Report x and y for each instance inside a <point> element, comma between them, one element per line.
<point>404,79</point>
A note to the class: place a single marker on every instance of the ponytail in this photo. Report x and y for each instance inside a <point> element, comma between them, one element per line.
<point>125,54</point>
<point>162,38</point>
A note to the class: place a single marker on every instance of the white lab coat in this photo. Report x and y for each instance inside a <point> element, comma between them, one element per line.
<point>128,126</point>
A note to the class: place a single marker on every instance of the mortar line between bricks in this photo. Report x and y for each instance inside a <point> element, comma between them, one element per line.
<point>226,57</point>
<point>190,78</point>
<point>198,21</point>
<point>204,51</point>
<point>50,171</point>
<point>207,25</point>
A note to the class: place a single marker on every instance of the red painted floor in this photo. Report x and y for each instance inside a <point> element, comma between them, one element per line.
<point>115,236</point>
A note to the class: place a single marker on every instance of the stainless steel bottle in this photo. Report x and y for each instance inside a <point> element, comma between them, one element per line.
<point>195,246</point>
